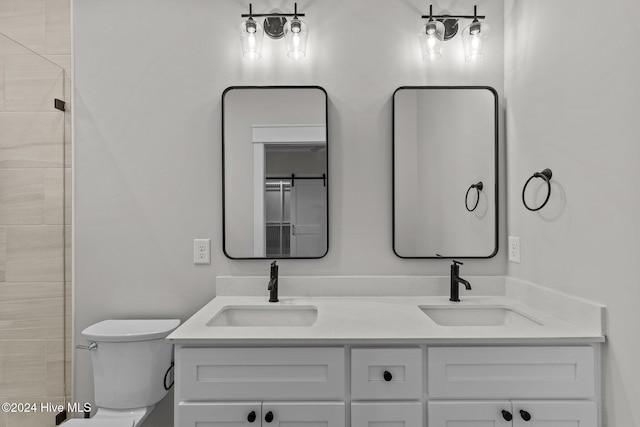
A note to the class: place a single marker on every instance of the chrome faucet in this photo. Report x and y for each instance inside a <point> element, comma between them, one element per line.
<point>273,283</point>
<point>456,280</point>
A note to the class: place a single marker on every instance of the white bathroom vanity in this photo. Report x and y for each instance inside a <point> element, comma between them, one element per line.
<point>495,358</point>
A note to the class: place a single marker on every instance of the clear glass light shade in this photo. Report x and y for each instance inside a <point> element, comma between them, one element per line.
<point>251,35</point>
<point>296,34</point>
<point>474,38</point>
<point>431,38</point>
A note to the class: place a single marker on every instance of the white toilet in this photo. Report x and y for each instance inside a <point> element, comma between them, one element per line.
<point>130,359</point>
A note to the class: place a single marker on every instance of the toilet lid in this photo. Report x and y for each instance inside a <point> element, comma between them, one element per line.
<point>130,330</point>
<point>99,422</point>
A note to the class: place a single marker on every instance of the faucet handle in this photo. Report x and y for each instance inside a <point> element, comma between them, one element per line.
<point>455,262</point>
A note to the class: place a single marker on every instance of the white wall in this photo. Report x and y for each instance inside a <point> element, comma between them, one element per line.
<point>149,76</point>
<point>573,105</point>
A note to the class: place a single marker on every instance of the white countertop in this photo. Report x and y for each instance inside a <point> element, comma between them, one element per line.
<point>378,320</point>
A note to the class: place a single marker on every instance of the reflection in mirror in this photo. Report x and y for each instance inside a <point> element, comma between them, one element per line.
<point>275,172</point>
<point>445,151</point>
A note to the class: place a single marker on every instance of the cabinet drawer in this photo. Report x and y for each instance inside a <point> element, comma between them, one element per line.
<point>256,373</point>
<point>511,372</point>
<point>403,368</point>
<point>388,414</point>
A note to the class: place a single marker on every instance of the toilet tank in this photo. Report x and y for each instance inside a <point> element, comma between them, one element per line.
<point>130,361</point>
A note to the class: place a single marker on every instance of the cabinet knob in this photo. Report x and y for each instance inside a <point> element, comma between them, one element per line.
<point>387,376</point>
<point>507,415</point>
<point>525,415</point>
<point>252,416</point>
<point>268,417</point>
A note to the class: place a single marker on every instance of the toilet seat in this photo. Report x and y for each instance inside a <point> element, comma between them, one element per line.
<point>100,422</point>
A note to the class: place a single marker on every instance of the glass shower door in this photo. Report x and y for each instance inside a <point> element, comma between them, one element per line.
<point>34,360</point>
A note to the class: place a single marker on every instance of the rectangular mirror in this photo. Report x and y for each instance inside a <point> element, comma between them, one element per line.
<point>275,172</point>
<point>445,172</point>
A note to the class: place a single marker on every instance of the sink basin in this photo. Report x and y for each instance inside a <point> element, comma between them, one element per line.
<point>265,316</point>
<point>477,316</point>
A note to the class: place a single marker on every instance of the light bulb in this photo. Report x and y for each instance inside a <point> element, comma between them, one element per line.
<point>251,40</point>
<point>475,43</point>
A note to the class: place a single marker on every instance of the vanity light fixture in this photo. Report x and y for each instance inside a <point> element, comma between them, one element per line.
<point>431,38</point>
<point>251,34</point>
<point>474,38</point>
<point>296,33</point>
<point>276,26</point>
<point>441,28</point>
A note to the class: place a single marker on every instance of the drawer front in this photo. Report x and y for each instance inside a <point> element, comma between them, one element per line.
<point>244,414</point>
<point>511,372</point>
<point>388,414</point>
<point>401,366</point>
<point>256,373</point>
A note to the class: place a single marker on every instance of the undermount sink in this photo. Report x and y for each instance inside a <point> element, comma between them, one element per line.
<point>477,316</point>
<point>265,316</point>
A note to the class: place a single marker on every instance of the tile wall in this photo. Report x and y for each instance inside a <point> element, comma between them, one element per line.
<point>35,181</point>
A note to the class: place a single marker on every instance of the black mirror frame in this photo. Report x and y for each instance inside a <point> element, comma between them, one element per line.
<point>224,236</point>
<point>496,162</point>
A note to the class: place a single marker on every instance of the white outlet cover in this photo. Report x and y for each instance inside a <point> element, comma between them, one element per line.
<point>514,249</point>
<point>202,251</point>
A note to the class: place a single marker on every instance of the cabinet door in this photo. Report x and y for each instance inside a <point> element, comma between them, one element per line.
<point>299,414</point>
<point>229,414</point>
<point>470,414</point>
<point>388,414</point>
<point>554,414</point>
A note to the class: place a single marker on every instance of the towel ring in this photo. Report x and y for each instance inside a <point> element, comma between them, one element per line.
<point>479,186</point>
<point>546,175</point>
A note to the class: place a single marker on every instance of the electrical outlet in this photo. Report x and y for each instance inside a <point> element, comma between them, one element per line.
<point>202,251</point>
<point>514,249</point>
